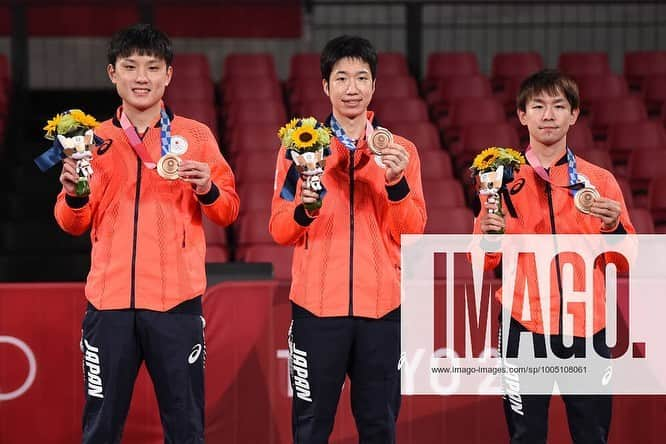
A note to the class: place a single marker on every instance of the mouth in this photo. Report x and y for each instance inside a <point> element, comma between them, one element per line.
<point>351,102</point>
<point>141,91</point>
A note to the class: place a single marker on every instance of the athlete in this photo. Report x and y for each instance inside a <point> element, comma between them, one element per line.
<point>155,175</point>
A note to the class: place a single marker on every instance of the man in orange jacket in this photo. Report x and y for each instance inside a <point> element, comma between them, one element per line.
<point>147,273</point>
<point>541,200</point>
<point>345,288</point>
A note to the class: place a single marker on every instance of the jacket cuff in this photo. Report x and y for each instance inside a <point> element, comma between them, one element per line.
<point>398,191</point>
<point>211,196</point>
<point>618,230</point>
<point>301,217</point>
<point>76,202</point>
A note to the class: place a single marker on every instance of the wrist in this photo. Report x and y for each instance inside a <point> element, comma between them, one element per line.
<point>392,179</point>
<point>203,189</point>
<point>610,227</point>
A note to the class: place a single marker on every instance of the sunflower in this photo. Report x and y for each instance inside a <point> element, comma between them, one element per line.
<point>287,128</point>
<point>486,159</point>
<point>52,126</point>
<point>304,137</point>
<point>84,119</point>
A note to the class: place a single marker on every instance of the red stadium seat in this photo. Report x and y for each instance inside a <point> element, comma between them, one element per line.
<point>645,165</point>
<point>641,64</point>
<point>452,88</point>
<point>624,138</point>
<point>391,111</point>
<point>256,111</point>
<point>391,64</point>
<point>304,65</point>
<point>576,64</point>
<point>654,93</point>
<point>642,220</point>
<point>422,134</point>
<point>595,88</point>
<point>256,195</point>
<point>251,88</point>
<point>255,167</point>
<point>447,64</point>
<point>608,112</point>
<point>307,90</point>
<point>320,109</point>
<point>514,64</point>
<point>191,66</point>
<point>474,138</point>
<point>446,193</point>
<point>248,138</point>
<point>184,89</point>
<point>450,221</point>
<point>470,111</point>
<point>435,165</point>
<point>252,229</point>
<point>395,87</point>
<point>280,256</point>
<point>217,249</point>
<point>259,64</point>
<point>628,195</point>
<point>657,200</point>
<point>580,138</point>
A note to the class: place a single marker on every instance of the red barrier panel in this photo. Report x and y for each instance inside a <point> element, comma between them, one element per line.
<point>247,392</point>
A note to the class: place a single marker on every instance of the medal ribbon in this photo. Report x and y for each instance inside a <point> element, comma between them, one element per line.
<point>574,185</point>
<point>339,132</point>
<point>138,145</point>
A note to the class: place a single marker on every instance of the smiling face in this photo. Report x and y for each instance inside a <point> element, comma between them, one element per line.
<point>548,118</point>
<point>349,87</point>
<point>140,80</point>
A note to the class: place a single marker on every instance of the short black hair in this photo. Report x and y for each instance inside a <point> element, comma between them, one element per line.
<point>347,46</point>
<point>141,39</point>
<point>550,81</point>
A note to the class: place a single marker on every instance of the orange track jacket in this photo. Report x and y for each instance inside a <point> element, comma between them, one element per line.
<point>347,259</point>
<point>544,209</point>
<point>148,245</point>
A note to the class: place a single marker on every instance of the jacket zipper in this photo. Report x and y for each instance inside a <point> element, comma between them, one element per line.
<point>549,193</point>
<point>352,159</point>
<point>136,231</point>
<point>306,240</point>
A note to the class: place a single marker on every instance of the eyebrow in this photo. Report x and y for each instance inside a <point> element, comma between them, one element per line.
<point>558,100</point>
<point>362,71</point>
<point>132,60</point>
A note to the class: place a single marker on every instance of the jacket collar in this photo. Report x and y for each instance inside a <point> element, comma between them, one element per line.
<point>116,117</point>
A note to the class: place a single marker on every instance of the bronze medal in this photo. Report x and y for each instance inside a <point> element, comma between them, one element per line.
<point>167,166</point>
<point>584,199</point>
<point>380,139</point>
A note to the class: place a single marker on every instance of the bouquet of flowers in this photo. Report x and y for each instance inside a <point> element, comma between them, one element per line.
<point>72,136</point>
<point>307,142</point>
<point>494,167</point>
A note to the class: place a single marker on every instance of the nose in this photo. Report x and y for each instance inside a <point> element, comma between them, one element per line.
<point>548,113</point>
<point>142,75</point>
<point>352,87</point>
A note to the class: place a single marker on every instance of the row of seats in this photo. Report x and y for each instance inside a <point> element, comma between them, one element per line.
<point>638,65</point>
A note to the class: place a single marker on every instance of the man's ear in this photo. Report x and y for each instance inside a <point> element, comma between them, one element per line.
<point>111,72</point>
<point>521,116</point>
<point>574,116</point>
<point>324,85</point>
<point>169,75</point>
